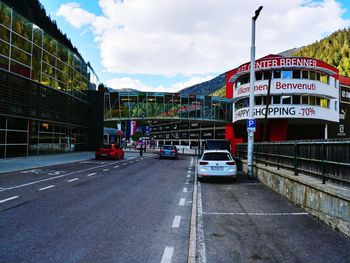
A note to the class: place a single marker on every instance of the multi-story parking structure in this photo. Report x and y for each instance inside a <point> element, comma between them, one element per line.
<point>294,98</point>
<point>44,87</point>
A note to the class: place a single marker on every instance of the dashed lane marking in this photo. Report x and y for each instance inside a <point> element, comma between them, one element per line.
<point>116,166</point>
<point>8,199</point>
<point>45,188</point>
<point>182,201</point>
<point>72,180</point>
<point>185,190</point>
<point>176,222</point>
<point>91,174</point>
<point>104,170</point>
<point>167,255</point>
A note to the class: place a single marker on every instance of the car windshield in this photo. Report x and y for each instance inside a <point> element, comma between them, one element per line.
<point>105,146</point>
<point>168,147</point>
<point>216,156</point>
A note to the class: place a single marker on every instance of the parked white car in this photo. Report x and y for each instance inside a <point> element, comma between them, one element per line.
<point>216,163</point>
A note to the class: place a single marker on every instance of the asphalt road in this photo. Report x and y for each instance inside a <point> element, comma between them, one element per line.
<point>131,210</point>
<point>247,222</point>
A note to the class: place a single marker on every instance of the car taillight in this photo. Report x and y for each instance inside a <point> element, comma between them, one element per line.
<point>161,150</point>
<point>230,163</point>
<point>203,163</point>
<point>174,151</point>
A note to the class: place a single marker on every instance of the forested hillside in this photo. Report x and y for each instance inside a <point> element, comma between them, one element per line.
<point>335,50</point>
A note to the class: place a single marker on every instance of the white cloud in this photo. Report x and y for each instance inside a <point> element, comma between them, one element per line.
<point>199,37</point>
<point>130,83</point>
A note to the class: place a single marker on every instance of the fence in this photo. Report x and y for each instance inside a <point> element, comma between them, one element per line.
<point>328,160</point>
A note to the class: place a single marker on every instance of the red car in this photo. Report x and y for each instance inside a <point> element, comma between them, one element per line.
<point>109,151</point>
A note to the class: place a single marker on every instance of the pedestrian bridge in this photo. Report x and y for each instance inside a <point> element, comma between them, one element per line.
<point>166,106</point>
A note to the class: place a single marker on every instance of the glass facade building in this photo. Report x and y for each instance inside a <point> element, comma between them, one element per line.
<point>43,90</point>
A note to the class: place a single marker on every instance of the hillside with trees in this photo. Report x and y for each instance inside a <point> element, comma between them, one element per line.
<point>334,50</point>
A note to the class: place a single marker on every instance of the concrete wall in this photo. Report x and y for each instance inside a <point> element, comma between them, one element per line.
<point>327,202</point>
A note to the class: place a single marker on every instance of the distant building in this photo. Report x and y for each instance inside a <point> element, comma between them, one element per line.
<point>45,102</point>
<point>295,98</point>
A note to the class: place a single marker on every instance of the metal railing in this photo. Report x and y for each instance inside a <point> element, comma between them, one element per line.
<point>324,159</point>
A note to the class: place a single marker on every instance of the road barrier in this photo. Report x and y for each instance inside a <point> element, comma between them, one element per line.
<point>324,159</point>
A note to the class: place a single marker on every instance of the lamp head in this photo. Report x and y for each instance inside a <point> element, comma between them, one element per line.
<point>257,12</point>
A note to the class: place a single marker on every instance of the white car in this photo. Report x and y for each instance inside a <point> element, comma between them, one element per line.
<point>216,163</point>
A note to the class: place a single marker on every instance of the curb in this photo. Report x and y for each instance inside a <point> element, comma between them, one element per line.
<point>193,228</point>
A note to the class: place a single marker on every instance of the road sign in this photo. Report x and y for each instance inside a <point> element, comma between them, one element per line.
<point>251,124</point>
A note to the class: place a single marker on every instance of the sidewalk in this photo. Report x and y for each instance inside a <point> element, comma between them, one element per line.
<point>22,163</point>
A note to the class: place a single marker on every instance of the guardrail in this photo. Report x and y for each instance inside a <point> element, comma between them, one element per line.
<point>324,159</point>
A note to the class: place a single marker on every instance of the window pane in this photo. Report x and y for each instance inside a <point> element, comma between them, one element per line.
<point>5,15</point>
<point>296,74</point>
<point>4,34</point>
<point>17,124</point>
<point>38,36</point>
<point>258,100</point>
<point>258,75</point>
<point>312,100</point>
<point>286,99</point>
<point>49,59</point>
<point>296,99</point>
<point>305,100</point>
<point>20,56</point>
<point>286,74</point>
<point>36,63</point>
<point>4,49</point>
<point>318,76</point>
<point>20,69</point>
<point>48,70</point>
<point>4,63</point>
<point>21,26</point>
<point>267,74</point>
<point>312,75</point>
<point>277,74</point>
<point>324,103</point>
<point>21,43</point>
<point>62,52</point>
<point>50,44</point>
<point>276,99</point>
<point>305,74</point>
<point>324,79</point>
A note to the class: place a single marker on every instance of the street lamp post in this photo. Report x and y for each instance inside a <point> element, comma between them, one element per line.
<point>251,121</point>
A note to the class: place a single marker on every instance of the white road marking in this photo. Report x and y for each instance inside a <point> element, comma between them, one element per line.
<point>124,163</point>
<point>116,166</point>
<point>167,255</point>
<point>47,187</point>
<point>188,176</point>
<point>91,174</point>
<point>188,172</point>
<point>185,190</point>
<point>255,214</point>
<point>51,178</point>
<point>182,201</point>
<point>202,257</point>
<point>104,170</point>
<point>176,222</point>
<point>72,180</point>
<point>8,199</point>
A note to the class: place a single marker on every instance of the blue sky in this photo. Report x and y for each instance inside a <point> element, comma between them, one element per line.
<point>168,45</point>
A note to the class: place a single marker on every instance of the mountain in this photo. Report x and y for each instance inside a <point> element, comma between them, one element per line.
<point>334,50</point>
<point>208,87</point>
